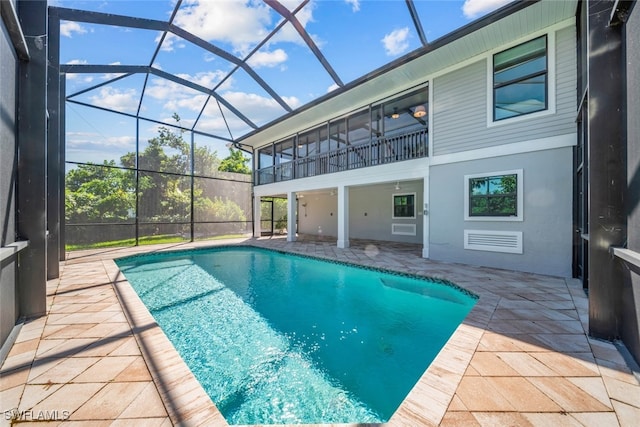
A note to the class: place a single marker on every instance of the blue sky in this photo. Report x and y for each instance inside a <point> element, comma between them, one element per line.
<point>355,36</point>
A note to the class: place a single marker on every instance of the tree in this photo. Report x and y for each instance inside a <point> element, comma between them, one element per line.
<point>235,162</point>
<point>162,175</point>
<point>99,193</point>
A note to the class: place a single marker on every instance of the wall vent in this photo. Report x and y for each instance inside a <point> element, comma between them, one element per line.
<point>493,241</point>
<point>405,229</point>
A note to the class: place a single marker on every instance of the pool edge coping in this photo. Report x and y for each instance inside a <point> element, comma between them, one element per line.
<point>187,403</point>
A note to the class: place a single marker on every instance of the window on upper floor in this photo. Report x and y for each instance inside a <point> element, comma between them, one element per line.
<point>520,80</point>
<point>494,196</point>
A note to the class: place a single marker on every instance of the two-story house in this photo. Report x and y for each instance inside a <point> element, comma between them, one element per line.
<point>464,148</point>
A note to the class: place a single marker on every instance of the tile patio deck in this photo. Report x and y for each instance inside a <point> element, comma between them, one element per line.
<point>520,358</point>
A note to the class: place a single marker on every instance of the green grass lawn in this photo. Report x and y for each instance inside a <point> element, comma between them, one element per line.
<point>146,240</point>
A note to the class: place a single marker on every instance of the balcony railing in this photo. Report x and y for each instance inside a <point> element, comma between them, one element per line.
<point>378,151</point>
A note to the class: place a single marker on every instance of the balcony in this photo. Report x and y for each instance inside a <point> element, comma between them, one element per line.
<point>378,151</point>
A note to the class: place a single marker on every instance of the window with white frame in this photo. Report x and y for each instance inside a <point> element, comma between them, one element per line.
<point>404,206</point>
<point>520,79</point>
<point>495,196</point>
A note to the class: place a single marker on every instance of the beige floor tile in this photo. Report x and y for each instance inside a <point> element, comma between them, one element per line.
<point>525,364</point>
<point>459,419</point>
<point>10,398</point>
<point>142,422</point>
<point>491,364</point>
<point>106,369</point>
<point>501,419</point>
<point>69,397</point>
<point>69,347</point>
<point>596,419</point>
<point>552,420</point>
<point>628,415</point>
<point>23,347</point>
<point>109,402</point>
<point>128,347</point>
<point>606,351</point>
<point>569,396</point>
<point>103,330</point>
<point>456,404</point>
<point>471,371</point>
<point>147,404</point>
<point>10,379</point>
<point>568,365</point>
<point>136,371</point>
<point>62,372</point>
<point>109,346</point>
<point>617,371</point>
<point>522,395</point>
<point>36,393</point>
<point>594,386</point>
<point>569,343</point>
<point>63,331</point>
<point>20,361</point>
<point>623,391</point>
<point>478,394</point>
<point>497,342</point>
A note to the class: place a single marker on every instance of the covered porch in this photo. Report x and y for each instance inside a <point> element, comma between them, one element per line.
<point>385,210</point>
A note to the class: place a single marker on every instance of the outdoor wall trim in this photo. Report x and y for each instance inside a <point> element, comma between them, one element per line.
<point>630,256</point>
<point>12,249</point>
<point>550,143</point>
<point>10,18</point>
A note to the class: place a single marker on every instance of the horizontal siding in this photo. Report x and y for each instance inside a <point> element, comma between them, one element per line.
<point>460,106</point>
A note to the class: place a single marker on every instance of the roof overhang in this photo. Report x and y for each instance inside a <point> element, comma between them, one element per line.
<point>512,22</point>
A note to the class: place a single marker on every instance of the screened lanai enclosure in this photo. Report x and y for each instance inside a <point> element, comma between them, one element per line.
<point>148,154</point>
<point>168,188</point>
<point>155,101</point>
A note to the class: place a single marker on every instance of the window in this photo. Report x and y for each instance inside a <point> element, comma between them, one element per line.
<point>404,206</point>
<point>494,196</point>
<point>520,79</point>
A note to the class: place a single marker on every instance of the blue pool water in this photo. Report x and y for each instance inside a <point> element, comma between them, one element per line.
<point>276,338</point>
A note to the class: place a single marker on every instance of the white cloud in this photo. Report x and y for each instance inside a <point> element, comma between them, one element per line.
<point>109,76</point>
<point>67,28</point>
<point>268,59</point>
<point>289,34</point>
<point>193,103</point>
<point>240,23</point>
<point>475,8</point>
<point>395,43</point>
<point>89,139</point>
<point>176,95</point>
<point>77,62</point>
<point>257,108</point>
<point>333,87</point>
<point>71,76</point>
<point>355,4</point>
<point>115,99</point>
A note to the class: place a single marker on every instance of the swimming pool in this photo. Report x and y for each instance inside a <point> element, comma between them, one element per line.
<point>279,338</point>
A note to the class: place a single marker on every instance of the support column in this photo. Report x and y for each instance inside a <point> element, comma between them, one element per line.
<point>55,169</point>
<point>257,212</point>
<point>32,160</point>
<point>343,216</point>
<point>292,209</point>
<point>607,178</point>
<point>425,217</point>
